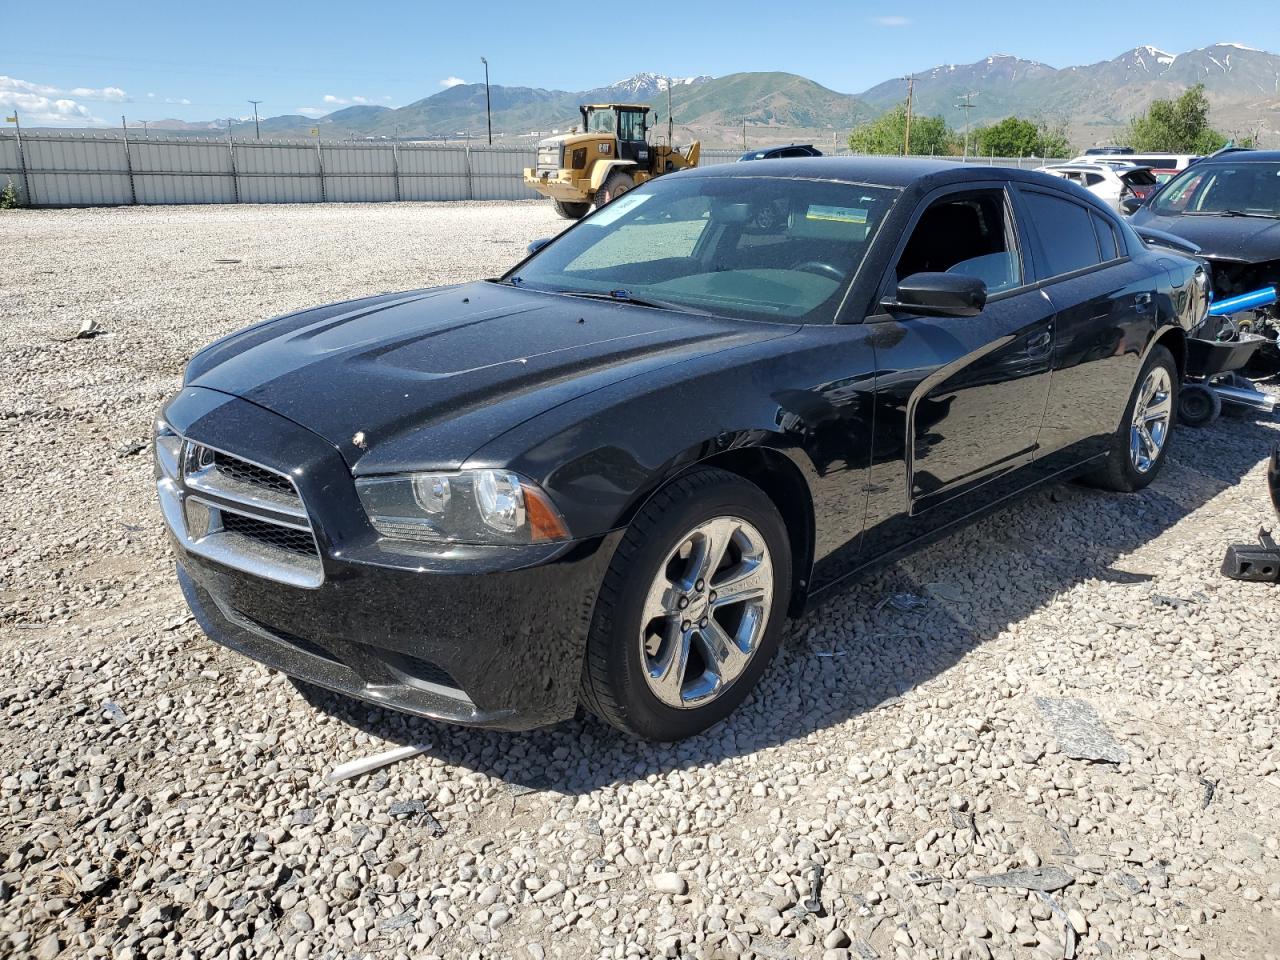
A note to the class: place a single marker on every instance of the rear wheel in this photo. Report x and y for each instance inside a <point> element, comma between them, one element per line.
<point>570,210</point>
<point>1141,443</point>
<point>690,610</point>
<point>614,186</point>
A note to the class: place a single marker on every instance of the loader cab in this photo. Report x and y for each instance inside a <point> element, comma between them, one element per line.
<point>627,123</point>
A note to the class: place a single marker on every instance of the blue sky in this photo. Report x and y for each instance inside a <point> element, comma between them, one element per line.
<point>79,62</point>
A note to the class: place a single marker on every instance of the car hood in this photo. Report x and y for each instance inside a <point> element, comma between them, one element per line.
<point>1251,239</point>
<point>422,379</point>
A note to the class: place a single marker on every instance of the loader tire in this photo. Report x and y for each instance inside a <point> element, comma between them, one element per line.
<point>570,210</point>
<point>614,186</point>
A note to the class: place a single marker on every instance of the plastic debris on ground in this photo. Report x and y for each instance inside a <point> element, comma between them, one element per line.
<point>1028,878</point>
<point>356,768</point>
<point>1079,730</point>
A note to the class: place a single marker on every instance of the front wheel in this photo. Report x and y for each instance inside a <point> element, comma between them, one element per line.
<point>614,186</point>
<point>690,610</point>
<point>570,210</point>
<point>1140,445</point>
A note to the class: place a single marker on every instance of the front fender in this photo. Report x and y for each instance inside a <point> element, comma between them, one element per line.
<point>600,172</point>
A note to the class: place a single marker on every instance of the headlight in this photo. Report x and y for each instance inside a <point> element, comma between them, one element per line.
<point>168,451</point>
<point>474,506</point>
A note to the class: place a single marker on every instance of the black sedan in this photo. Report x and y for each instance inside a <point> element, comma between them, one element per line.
<point>609,476</point>
<point>1229,206</point>
<point>787,152</point>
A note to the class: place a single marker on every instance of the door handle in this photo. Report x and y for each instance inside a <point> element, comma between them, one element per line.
<point>1142,302</point>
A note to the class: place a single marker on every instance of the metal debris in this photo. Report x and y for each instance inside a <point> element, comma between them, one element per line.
<point>921,879</point>
<point>90,329</point>
<point>356,768</point>
<point>1079,730</point>
<point>1210,788</point>
<point>130,449</point>
<point>402,808</point>
<point>903,602</point>
<point>813,904</point>
<point>226,260</point>
<point>1028,878</point>
<point>113,712</point>
<point>1069,938</point>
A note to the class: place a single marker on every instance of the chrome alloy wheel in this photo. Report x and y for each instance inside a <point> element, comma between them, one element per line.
<point>705,612</point>
<point>1152,414</point>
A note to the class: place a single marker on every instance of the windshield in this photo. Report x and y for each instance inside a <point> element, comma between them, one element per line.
<point>600,121</point>
<point>1248,188</point>
<point>759,248</point>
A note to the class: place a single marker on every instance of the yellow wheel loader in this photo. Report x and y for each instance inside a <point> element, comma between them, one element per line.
<point>608,158</point>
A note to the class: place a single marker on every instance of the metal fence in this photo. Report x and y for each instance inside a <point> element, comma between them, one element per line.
<point>58,170</point>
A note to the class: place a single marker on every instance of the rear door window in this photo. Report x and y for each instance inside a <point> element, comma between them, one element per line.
<point>1064,229</point>
<point>1108,243</point>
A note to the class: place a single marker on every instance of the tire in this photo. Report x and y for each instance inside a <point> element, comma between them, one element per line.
<point>628,642</point>
<point>1198,405</point>
<point>614,186</point>
<point>1123,471</point>
<point>570,210</point>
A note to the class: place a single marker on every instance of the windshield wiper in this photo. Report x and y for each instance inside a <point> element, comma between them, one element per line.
<point>623,296</point>
<point>1233,213</point>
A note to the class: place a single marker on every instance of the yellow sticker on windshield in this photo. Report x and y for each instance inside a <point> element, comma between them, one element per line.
<point>838,214</point>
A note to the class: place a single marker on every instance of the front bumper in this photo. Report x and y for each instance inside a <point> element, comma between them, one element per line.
<point>484,636</point>
<point>560,185</point>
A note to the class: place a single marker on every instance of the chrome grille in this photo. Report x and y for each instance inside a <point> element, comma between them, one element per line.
<point>549,159</point>
<point>239,513</point>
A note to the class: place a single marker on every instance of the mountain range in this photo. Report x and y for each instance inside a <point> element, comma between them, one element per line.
<point>1094,100</point>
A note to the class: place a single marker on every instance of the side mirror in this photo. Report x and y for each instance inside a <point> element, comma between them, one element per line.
<point>537,245</point>
<point>938,295</point>
<point>1130,205</point>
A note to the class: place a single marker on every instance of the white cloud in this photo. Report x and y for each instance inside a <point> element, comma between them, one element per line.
<point>109,94</point>
<point>43,104</point>
<point>892,21</point>
<point>330,99</point>
<point>452,82</point>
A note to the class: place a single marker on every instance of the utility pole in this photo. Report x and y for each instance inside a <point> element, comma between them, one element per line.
<point>744,133</point>
<point>966,107</point>
<point>671,129</point>
<point>911,87</point>
<point>255,103</point>
<point>488,109</point>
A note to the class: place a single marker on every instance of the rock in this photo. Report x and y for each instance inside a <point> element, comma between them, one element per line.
<point>836,938</point>
<point>549,892</point>
<point>670,883</point>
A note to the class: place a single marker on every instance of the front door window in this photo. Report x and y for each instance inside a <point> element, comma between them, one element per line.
<point>630,125</point>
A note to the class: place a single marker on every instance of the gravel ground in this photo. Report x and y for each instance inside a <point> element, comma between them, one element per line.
<point>160,797</point>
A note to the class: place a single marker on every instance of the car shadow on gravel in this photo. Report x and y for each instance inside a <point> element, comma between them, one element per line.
<point>862,649</point>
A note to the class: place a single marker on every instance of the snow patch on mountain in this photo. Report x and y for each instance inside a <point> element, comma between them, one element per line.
<point>647,84</point>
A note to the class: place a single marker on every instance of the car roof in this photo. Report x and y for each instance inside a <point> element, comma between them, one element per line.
<point>1242,156</point>
<point>887,171</point>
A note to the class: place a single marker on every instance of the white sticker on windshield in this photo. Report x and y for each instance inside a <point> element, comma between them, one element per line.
<point>624,204</point>
<point>838,214</point>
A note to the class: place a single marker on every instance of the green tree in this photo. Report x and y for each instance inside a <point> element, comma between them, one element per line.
<point>1176,126</point>
<point>1018,137</point>
<point>887,133</point>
